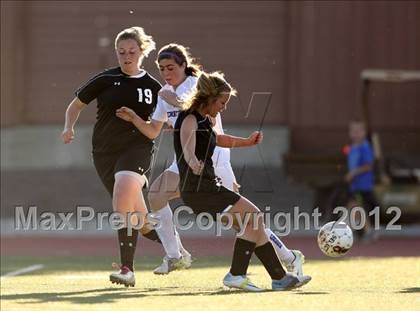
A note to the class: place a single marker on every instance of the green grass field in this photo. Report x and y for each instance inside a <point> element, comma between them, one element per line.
<point>76,283</point>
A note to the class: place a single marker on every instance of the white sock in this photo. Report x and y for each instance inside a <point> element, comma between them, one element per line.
<point>166,232</point>
<point>178,239</point>
<point>283,253</point>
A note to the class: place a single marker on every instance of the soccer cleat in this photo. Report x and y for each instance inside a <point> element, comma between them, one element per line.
<point>290,281</point>
<point>169,265</point>
<point>303,279</point>
<point>125,277</point>
<point>186,256</point>
<point>295,266</point>
<point>240,282</point>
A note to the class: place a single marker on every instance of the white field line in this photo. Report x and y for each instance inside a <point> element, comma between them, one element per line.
<point>22,271</point>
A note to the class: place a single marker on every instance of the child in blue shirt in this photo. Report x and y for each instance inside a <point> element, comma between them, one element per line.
<point>360,163</point>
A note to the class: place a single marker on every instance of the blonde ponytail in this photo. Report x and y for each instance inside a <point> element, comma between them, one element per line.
<point>209,87</point>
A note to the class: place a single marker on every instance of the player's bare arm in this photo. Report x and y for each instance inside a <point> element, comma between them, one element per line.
<point>151,129</point>
<point>72,114</point>
<point>229,141</point>
<point>188,129</point>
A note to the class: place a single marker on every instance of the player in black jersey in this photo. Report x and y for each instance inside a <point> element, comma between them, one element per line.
<point>121,153</point>
<point>194,142</point>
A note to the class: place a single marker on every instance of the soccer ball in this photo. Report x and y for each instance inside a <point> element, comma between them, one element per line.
<point>335,239</point>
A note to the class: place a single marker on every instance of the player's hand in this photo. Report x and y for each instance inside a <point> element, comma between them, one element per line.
<point>169,97</point>
<point>255,138</point>
<point>67,136</point>
<point>236,187</point>
<point>197,167</point>
<point>126,114</point>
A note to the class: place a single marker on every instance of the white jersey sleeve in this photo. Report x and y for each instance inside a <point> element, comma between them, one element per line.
<point>160,113</point>
<point>218,127</point>
<point>221,156</point>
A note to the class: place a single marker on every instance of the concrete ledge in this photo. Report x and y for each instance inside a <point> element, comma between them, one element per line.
<point>40,147</point>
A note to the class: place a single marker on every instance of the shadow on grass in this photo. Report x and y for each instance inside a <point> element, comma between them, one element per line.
<point>217,292</point>
<point>312,293</point>
<point>222,292</point>
<point>103,295</point>
<point>409,290</point>
<point>107,295</point>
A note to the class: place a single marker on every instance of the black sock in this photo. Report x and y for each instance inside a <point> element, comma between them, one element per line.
<point>267,255</point>
<point>242,253</point>
<point>127,247</point>
<point>153,236</point>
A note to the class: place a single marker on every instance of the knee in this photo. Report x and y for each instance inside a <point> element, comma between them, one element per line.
<point>251,226</point>
<point>124,194</point>
<point>158,199</point>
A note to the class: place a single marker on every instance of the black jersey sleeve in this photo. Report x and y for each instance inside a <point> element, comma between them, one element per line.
<point>92,88</point>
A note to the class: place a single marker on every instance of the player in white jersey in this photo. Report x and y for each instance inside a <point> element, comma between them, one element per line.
<point>169,113</point>
<point>180,74</point>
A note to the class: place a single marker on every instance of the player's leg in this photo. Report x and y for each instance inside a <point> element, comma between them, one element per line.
<point>255,240</point>
<point>148,231</point>
<point>292,259</point>
<point>164,189</point>
<point>105,167</point>
<point>355,201</point>
<point>253,232</point>
<point>245,245</point>
<point>370,233</point>
<point>126,199</point>
<point>186,256</point>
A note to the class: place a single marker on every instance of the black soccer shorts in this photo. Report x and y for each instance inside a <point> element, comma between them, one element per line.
<point>136,159</point>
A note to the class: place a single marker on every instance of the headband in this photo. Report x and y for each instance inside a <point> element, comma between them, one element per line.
<point>168,54</point>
